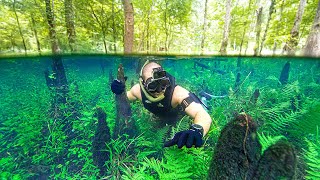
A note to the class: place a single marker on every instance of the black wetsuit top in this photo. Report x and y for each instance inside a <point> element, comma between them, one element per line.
<point>163,108</point>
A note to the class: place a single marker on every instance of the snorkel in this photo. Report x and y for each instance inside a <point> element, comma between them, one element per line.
<point>148,96</point>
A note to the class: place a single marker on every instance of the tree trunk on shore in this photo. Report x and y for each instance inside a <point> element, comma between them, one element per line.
<point>69,18</point>
<point>276,41</point>
<point>258,31</point>
<point>19,27</point>
<point>52,31</point>
<point>128,26</point>
<point>271,10</point>
<point>227,22</point>
<point>114,32</point>
<point>204,27</point>
<point>312,47</point>
<point>36,34</point>
<point>292,42</point>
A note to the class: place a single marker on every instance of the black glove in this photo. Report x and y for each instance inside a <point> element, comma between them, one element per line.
<point>117,86</point>
<point>190,137</point>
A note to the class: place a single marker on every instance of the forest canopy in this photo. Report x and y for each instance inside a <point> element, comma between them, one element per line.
<point>229,27</point>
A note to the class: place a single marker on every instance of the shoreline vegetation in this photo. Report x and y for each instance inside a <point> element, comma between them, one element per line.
<point>190,27</point>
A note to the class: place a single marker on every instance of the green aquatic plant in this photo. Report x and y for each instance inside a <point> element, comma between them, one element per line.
<point>21,124</point>
<point>123,151</point>
<point>309,123</point>
<point>154,162</point>
<point>266,140</point>
<point>279,120</point>
<point>277,111</point>
<point>312,158</point>
<point>176,164</point>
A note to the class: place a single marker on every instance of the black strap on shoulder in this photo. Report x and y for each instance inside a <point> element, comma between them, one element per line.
<point>191,98</point>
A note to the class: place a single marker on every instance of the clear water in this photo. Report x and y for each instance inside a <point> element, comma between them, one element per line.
<point>43,139</point>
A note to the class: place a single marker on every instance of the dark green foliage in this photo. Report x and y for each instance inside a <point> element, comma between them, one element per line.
<point>279,161</point>
<point>237,151</point>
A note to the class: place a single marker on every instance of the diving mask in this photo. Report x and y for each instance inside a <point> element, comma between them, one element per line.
<point>158,82</point>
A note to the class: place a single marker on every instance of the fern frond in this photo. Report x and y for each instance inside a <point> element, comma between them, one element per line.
<point>290,89</point>
<point>312,158</point>
<point>177,164</point>
<point>266,140</point>
<point>278,120</point>
<point>273,78</point>
<point>309,121</point>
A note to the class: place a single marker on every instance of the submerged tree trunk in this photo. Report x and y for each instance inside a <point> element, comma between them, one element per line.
<point>284,76</point>
<point>279,161</point>
<point>19,27</point>
<point>128,26</point>
<point>102,136</point>
<point>254,97</point>
<point>124,122</point>
<point>312,47</point>
<point>292,42</point>
<point>227,21</point>
<point>36,34</point>
<point>204,26</point>
<point>237,151</point>
<point>271,10</point>
<point>69,18</point>
<point>258,31</point>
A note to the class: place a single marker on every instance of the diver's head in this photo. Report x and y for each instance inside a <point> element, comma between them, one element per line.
<point>154,79</point>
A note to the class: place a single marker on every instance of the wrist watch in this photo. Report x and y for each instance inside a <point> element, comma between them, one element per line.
<point>197,127</point>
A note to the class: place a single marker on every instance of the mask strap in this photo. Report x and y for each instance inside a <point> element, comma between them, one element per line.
<point>142,69</point>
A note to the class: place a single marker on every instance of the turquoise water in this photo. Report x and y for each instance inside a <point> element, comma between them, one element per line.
<point>54,132</point>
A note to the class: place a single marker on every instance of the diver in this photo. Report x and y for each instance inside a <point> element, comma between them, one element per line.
<point>168,101</point>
